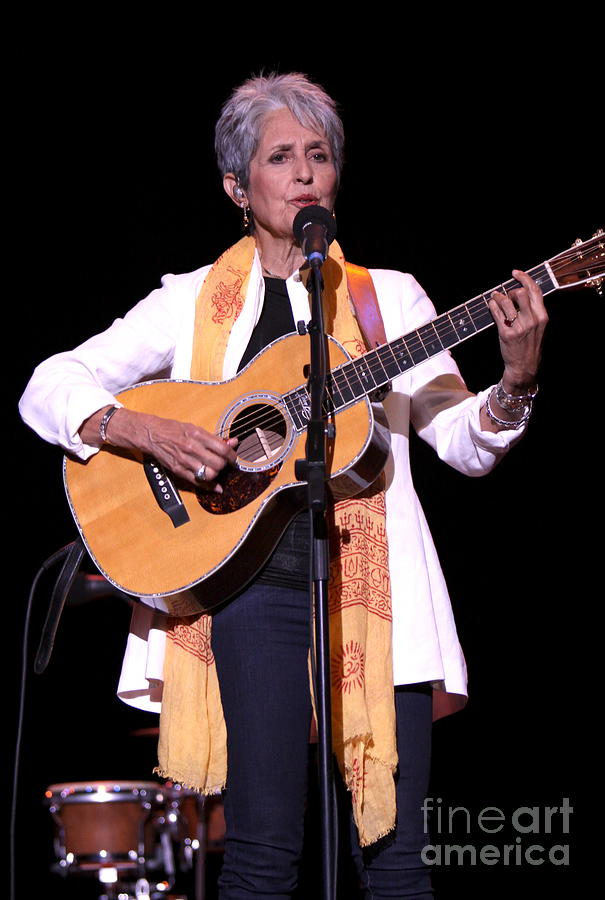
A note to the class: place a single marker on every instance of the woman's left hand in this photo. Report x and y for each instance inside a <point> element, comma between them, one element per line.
<point>521,318</point>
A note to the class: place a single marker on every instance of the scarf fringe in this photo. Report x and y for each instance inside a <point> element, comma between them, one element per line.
<point>382,834</point>
<point>198,788</point>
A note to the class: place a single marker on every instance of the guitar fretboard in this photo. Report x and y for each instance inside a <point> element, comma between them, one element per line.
<point>353,380</point>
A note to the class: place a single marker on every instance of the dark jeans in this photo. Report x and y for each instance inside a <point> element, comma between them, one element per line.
<point>260,641</point>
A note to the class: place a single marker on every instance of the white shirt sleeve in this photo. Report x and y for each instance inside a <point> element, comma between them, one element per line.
<point>69,387</point>
<point>443,411</point>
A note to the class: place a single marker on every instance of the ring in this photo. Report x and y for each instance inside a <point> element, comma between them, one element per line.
<point>509,322</point>
<point>200,475</point>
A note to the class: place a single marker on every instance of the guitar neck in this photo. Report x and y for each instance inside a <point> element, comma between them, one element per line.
<point>353,380</point>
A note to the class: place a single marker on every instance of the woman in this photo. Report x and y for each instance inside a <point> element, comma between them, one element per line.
<point>279,143</point>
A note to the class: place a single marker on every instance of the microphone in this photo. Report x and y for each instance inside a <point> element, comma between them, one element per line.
<point>314,229</point>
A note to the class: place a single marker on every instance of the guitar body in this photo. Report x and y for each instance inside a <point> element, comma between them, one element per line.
<point>227,537</point>
<point>152,538</point>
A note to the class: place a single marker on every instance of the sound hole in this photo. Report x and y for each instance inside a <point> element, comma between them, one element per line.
<point>261,431</point>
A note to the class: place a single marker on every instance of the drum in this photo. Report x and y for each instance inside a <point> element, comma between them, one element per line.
<point>103,823</point>
<point>195,822</point>
<point>215,824</point>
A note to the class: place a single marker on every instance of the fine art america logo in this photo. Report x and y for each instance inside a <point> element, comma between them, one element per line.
<point>529,835</point>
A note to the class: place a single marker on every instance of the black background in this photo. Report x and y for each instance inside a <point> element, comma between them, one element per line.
<point>462,163</point>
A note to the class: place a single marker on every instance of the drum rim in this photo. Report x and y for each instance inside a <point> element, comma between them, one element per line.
<point>104,786</point>
<point>95,792</point>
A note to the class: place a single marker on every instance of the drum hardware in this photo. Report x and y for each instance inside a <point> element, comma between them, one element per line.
<point>105,829</point>
<point>136,838</point>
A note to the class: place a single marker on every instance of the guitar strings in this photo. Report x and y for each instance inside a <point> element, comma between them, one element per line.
<point>346,375</point>
<point>373,362</point>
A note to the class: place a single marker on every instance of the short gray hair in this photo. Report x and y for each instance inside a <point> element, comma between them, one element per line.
<point>239,126</point>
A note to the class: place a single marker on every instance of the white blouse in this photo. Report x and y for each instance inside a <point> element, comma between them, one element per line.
<point>155,340</point>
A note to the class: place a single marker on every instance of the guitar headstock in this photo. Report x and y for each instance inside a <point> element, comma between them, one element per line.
<point>583,265</point>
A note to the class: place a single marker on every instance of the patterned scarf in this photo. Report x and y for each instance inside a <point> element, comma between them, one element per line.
<point>192,747</point>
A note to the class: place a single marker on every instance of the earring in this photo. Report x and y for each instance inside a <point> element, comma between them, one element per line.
<point>240,196</point>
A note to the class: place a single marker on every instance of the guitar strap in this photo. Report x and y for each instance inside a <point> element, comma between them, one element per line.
<point>366,310</point>
<point>365,305</point>
<point>72,554</point>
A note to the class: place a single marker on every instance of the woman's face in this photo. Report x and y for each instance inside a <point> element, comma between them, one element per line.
<point>293,167</point>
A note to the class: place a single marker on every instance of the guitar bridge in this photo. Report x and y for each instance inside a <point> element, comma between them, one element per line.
<point>166,495</point>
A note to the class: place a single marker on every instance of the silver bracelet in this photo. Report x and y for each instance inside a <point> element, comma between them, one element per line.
<point>505,423</point>
<point>514,402</point>
<point>105,422</point>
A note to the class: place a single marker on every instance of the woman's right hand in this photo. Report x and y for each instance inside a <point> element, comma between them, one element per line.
<point>181,447</point>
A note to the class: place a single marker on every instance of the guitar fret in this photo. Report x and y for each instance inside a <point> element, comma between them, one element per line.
<point>389,362</point>
<point>482,316</point>
<point>544,278</point>
<point>416,347</point>
<point>354,387</point>
<point>446,331</point>
<point>364,373</point>
<point>335,392</point>
<point>430,339</point>
<point>380,373</point>
<point>402,355</point>
<point>293,409</point>
<point>462,322</point>
<point>344,386</point>
<point>328,401</point>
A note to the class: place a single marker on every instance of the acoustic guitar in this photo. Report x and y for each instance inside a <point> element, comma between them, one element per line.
<point>152,536</point>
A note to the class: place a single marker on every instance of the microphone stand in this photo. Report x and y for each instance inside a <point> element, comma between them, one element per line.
<point>313,470</point>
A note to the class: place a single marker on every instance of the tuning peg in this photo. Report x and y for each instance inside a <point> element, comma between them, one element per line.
<point>597,283</point>
<point>579,241</point>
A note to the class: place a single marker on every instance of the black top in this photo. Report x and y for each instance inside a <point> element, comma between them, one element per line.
<point>275,320</point>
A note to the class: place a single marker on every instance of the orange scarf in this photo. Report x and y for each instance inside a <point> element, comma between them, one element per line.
<point>192,747</point>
